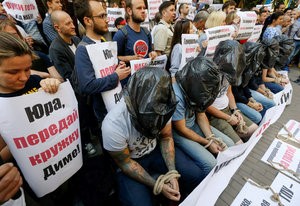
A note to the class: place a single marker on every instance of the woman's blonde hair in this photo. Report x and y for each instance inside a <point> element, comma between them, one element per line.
<point>216,18</point>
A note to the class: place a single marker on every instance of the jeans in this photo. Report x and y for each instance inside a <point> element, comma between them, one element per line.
<point>265,101</point>
<point>295,51</point>
<point>134,193</point>
<point>202,157</point>
<point>251,113</point>
<point>274,87</point>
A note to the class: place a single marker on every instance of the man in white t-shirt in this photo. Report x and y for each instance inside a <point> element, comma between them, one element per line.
<point>138,136</point>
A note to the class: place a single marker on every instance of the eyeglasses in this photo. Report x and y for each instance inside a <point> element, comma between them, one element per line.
<point>101,16</point>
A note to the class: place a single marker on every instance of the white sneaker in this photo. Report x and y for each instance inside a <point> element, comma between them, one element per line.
<point>89,147</point>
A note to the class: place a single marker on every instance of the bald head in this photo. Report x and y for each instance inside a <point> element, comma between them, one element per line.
<point>57,16</point>
<point>63,24</point>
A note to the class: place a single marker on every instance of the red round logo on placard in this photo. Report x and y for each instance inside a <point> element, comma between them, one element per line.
<point>140,47</point>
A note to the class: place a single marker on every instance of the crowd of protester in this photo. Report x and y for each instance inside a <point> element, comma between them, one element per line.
<point>172,122</point>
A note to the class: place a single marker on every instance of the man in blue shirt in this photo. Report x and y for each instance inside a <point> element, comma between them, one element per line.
<point>136,43</point>
<point>48,28</point>
<point>94,19</point>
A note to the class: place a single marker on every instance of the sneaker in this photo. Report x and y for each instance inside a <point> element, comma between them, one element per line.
<point>89,147</point>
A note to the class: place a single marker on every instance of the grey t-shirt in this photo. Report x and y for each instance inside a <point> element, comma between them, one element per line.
<point>119,133</point>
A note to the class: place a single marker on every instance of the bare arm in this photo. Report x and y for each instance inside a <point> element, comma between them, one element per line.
<point>129,58</point>
<point>186,132</point>
<point>167,146</point>
<point>232,103</point>
<point>132,168</point>
<point>265,77</point>
<point>204,124</point>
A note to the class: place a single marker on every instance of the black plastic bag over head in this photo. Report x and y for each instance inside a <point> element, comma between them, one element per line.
<point>255,54</point>
<point>199,81</point>
<point>271,51</point>
<point>286,46</point>
<point>230,58</point>
<point>150,100</point>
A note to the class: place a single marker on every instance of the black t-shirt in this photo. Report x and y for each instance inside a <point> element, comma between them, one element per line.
<point>31,86</point>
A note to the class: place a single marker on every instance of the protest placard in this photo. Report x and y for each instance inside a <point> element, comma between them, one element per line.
<point>209,2</point>
<point>112,15</point>
<point>135,65</point>
<point>269,6</point>
<point>105,61</point>
<point>190,48</point>
<point>153,6</point>
<point>159,62</point>
<point>42,133</point>
<point>217,7</point>
<point>291,131</point>
<point>215,36</point>
<point>256,33</point>
<point>247,23</point>
<point>283,156</point>
<point>228,162</point>
<point>22,10</point>
<point>287,189</point>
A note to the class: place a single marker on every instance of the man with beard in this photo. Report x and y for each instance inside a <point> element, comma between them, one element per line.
<point>134,41</point>
<point>94,19</point>
<point>164,32</point>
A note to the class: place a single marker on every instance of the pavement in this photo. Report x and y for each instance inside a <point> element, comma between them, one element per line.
<point>253,167</point>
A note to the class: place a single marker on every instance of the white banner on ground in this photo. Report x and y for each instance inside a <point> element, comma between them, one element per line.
<point>215,36</point>
<point>112,15</point>
<point>285,96</point>
<point>293,127</point>
<point>189,48</point>
<point>160,62</point>
<point>146,23</point>
<point>288,190</point>
<point>256,33</point>
<point>22,10</point>
<point>227,164</point>
<point>105,61</point>
<point>247,23</point>
<point>283,156</point>
<point>42,133</point>
<point>153,6</point>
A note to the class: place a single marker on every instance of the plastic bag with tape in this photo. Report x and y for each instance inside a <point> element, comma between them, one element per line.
<point>150,100</point>
<point>271,51</point>
<point>255,54</point>
<point>230,58</point>
<point>286,46</point>
<point>199,81</point>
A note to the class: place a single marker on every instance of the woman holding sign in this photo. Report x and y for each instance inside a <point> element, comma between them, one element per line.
<point>184,26</point>
<point>15,80</point>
